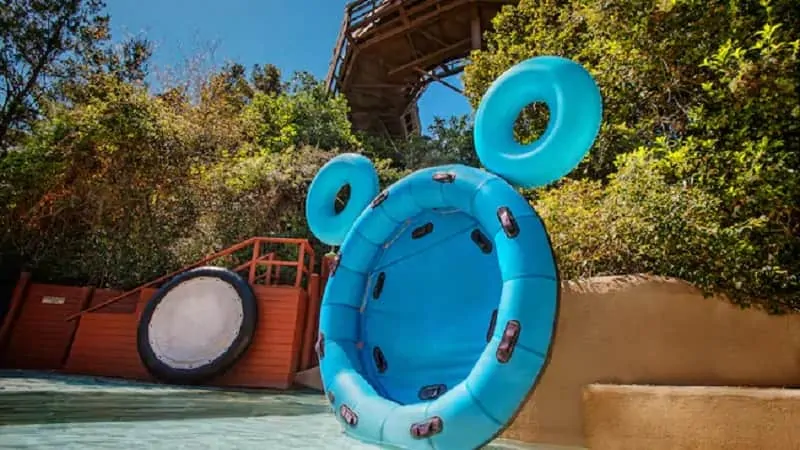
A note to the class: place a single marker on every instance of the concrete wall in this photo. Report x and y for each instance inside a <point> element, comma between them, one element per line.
<point>701,418</point>
<point>645,330</point>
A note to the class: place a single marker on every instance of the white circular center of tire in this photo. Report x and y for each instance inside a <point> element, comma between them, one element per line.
<point>195,323</point>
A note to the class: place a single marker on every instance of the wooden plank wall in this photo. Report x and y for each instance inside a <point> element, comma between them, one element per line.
<point>274,355</point>
<point>40,337</point>
<point>105,344</point>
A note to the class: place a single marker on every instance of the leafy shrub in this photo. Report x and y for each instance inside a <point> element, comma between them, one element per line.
<point>697,161</point>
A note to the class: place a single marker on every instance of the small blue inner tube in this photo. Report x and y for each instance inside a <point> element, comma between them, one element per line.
<point>576,109</point>
<point>350,169</point>
<point>438,317</point>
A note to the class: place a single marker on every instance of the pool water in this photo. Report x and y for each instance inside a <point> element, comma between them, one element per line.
<point>45,411</point>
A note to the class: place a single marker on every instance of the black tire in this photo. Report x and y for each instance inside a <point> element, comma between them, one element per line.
<point>195,375</point>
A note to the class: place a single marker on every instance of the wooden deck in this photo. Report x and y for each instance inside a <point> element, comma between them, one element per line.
<point>83,330</point>
<point>388,51</point>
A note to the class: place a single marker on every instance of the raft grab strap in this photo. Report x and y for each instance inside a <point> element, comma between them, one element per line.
<point>428,428</point>
<point>481,240</point>
<point>508,221</point>
<point>380,360</point>
<point>348,415</point>
<point>379,199</point>
<point>422,230</point>
<point>331,397</point>
<point>444,177</point>
<point>492,324</point>
<point>320,346</point>
<point>432,392</point>
<point>509,341</point>
<point>378,288</point>
<point>335,264</point>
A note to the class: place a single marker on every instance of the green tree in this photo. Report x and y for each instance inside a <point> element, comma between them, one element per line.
<point>43,42</point>
<point>266,79</point>
<point>447,141</point>
<point>109,196</point>
<point>303,114</point>
<point>698,153</point>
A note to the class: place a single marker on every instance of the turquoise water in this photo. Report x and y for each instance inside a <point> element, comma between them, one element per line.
<point>41,411</point>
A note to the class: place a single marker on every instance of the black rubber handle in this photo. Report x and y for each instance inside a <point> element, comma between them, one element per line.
<point>508,342</point>
<point>348,415</point>
<point>428,428</point>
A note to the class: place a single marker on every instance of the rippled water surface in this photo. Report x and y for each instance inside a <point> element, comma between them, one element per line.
<point>40,411</point>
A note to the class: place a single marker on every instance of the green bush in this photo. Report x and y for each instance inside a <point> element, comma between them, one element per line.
<point>118,186</point>
<point>696,164</point>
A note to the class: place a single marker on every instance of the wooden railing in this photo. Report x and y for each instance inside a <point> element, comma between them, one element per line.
<point>361,10</point>
<point>339,52</point>
<point>355,14</point>
<point>263,266</point>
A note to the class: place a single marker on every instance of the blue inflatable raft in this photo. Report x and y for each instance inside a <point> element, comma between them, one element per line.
<point>437,320</point>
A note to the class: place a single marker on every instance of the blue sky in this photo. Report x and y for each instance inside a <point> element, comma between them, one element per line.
<point>292,34</point>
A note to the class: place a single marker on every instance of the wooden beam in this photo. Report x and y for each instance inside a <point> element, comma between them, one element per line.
<point>381,12</point>
<point>475,28</point>
<point>377,86</point>
<point>347,65</point>
<point>385,128</point>
<point>435,78</point>
<point>447,71</point>
<point>431,37</point>
<point>422,61</point>
<point>337,49</point>
<point>416,22</point>
<point>375,113</point>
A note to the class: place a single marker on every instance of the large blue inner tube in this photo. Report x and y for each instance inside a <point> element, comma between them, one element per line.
<point>438,318</point>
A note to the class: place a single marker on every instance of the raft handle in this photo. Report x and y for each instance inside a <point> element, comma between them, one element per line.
<point>428,428</point>
<point>378,288</point>
<point>508,342</point>
<point>432,392</point>
<point>508,222</point>
<point>422,231</point>
<point>492,324</point>
<point>320,346</point>
<point>481,240</point>
<point>379,199</point>
<point>335,264</point>
<point>331,397</point>
<point>348,415</point>
<point>380,360</point>
<point>444,177</point>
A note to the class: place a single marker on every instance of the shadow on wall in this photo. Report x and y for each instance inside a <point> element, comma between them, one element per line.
<point>699,417</point>
<point>653,331</point>
<point>8,279</point>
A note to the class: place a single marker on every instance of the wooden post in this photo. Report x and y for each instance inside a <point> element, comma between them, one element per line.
<point>325,272</point>
<point>253,264</point>
<point>17,299</point>
<point>301,259</point>
<point>475,28</point>
<point>312,321</point>
<point>268,275</point>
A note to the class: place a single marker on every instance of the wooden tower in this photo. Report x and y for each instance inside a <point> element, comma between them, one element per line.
<point>388,51</point>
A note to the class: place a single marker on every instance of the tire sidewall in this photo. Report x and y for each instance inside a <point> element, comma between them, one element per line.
<point>221,364</point>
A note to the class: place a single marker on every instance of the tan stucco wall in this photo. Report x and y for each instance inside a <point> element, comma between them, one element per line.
<point>691,418</point>
<point>645,330</point>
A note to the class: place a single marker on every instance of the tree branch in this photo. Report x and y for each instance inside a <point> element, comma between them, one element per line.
<point>36,71</point>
